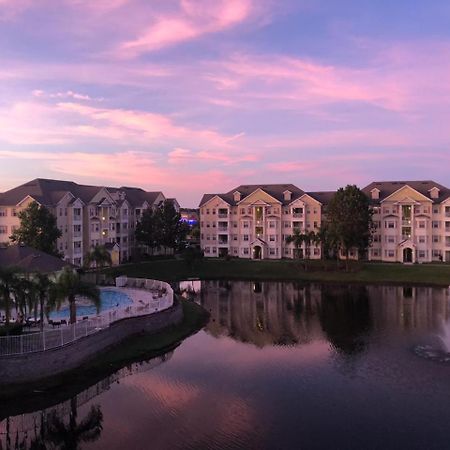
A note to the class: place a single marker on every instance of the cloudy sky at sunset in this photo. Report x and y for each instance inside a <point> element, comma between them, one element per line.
<point>193,96</point>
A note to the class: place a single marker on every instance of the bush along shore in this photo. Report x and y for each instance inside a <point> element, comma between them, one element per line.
<point>142,347</point>
<point>288,270</point>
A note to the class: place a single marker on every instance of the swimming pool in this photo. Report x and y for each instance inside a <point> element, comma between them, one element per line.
<point>109,299</point>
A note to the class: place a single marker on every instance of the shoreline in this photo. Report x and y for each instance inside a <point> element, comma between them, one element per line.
<point>25,397</point>
<point>175,270</point>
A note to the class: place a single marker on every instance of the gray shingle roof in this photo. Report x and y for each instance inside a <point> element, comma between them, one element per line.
<point>30,259</point>
<point>50,192</point>
<point>275,190</point>
<point>387,188</point>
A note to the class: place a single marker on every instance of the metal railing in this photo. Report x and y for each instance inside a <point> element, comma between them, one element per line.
<point>151,295</point>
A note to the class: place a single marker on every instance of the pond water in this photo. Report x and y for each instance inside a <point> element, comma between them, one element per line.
<point>279,366</point>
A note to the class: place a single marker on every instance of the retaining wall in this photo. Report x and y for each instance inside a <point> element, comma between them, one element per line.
<point>39,365</point>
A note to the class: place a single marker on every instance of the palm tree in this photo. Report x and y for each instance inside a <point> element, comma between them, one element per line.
<point>98,256</point>
<point>8,280</point>
<point>67,287</point>
<point>24,295</point>
<point>298,239</point>
<point>43,286</point>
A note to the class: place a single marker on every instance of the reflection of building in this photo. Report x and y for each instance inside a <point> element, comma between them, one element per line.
<point>86,215</point>
<point>262,313</point>
<point>269,313</point>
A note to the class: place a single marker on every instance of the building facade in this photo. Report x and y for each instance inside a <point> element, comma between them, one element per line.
<point>412,221</point>
<point>86,215</point>
<point>253,221</point>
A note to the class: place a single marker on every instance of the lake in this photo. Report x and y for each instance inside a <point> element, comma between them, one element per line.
<point>279,366</point>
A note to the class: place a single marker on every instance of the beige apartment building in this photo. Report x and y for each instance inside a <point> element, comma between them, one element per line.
<point>86,215</point>
<point>253,221</point>
<point>412,221</point>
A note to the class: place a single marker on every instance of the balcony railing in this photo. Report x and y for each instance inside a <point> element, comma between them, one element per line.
<point>223,215</point>
<point>77,217</point>
<point>297,215</point>
<point>77,234</point>
<point>222,229</point>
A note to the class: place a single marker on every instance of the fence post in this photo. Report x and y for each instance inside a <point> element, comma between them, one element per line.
<point>85,327</point>
<point>74,331</point>
<point>43,340</point>
<point>21,343</point>
<point>61,334</point>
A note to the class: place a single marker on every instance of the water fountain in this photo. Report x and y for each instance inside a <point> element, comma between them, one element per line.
<point>440,351</point>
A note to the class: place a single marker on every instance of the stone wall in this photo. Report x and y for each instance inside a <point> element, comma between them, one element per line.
<point>39,365</point>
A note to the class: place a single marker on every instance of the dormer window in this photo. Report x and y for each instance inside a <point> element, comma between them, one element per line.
<point>434,192</point>
<point>237,196</point>
<point>375,194</point>
<point>287,196</point>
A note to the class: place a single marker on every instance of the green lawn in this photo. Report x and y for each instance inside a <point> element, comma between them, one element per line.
<point>240,269</point>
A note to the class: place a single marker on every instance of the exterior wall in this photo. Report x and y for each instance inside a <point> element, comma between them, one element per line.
<point>40,365</point>
<point>258,221</point>
<point>108,218</point>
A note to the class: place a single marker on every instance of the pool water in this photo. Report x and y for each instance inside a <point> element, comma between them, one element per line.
<point>109,299</point>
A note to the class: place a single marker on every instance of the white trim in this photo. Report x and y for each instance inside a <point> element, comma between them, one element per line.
<point>405,186</point>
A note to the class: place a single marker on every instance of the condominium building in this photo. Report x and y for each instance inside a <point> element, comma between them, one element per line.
<point>253,221</point>
<point>412,221</point>
<point>86,215</point>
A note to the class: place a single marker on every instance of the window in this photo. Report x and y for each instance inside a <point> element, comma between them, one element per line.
<point>317,251</point>
<point>3,229</point>
<point>436,238</point>
<point>435,224</point>
<point>421,253</point>
<point>214,249</point>
<point>422,239</point>
<point>14,212</point>
<point>271,251</point>
<point>246,237</point>
<point>245,224</point>
<point>272,238</point>
<point>421,223</point>
<point>245,251</point>
<point>389,224</point>
<point>271,224</point>
<point>3,212</point>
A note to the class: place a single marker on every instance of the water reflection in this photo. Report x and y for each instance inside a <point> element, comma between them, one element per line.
<point>61,426</point>
<point>268,313</point>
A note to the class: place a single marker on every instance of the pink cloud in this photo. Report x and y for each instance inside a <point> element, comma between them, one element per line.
<point>192,20</point>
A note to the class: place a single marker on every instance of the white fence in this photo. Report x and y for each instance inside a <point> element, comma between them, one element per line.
<point>149,297</point>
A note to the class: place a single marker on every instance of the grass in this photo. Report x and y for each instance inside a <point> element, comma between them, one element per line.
<point>37,395</point>
<point>283,270</point>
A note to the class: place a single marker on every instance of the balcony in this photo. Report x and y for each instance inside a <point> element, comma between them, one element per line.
<point>77,234</point>
<point>222,229</point>
<point>223,215</point>
<point>406,222</point>
<point>297,215</point>
<point>77,250</point>
<point>77,217</point>
<point>222,241</point>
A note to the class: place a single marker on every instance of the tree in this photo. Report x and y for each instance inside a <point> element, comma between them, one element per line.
<point>8,281</point>
<point>161,227</point>
<point>67,287</point>
<point>98,256</point>
<point>173,229</point>
<point>148,231</point>
<point>43,286</point>
<point>349,221</point>
<point>37,229</point>
<point>298,238</point>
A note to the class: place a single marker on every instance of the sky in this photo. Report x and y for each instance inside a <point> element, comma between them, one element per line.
<point>199,96</point>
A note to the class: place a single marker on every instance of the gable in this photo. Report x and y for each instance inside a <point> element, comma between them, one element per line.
<point>101,195</point>
<point>308,200</point>
<point>406,194</point>
<point>215,202</point>
<point>259,197</point>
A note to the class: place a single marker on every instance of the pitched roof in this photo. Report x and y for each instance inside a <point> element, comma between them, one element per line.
<point>30,259</point>
<point>323,197</point>
<point>50,192</point>
<point>274,190</point>
<point>387,188</point>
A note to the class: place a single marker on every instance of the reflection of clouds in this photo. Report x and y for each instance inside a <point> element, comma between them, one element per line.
<point>171,410</point>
